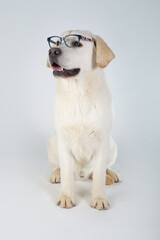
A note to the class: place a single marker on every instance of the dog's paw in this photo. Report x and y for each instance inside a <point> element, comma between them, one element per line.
<point>91,176</point>
<point>113,175</point>
<point>65,201</point>
<point>100,203</point>
<point>55,177</point>
<point>109,180</point>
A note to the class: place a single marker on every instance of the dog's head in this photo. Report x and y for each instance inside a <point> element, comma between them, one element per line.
<point>77,53</point>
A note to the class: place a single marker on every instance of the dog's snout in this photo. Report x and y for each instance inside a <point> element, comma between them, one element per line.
<point>54,51</point>
<point>57,51</point>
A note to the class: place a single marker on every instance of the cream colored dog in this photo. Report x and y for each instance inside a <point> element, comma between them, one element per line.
<point>82,145</point>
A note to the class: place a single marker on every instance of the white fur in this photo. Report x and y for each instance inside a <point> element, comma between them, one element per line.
<point>83,113</point>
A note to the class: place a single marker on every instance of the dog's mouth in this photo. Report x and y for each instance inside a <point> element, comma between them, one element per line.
<point>62,72</point>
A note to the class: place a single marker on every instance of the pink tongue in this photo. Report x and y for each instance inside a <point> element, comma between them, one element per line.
<point>57,68</point>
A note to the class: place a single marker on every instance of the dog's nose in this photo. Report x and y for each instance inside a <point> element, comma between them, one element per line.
<point>54,51</point>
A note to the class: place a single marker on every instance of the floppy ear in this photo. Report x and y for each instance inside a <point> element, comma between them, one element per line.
<point>104,54</point>
<point>48,65</point>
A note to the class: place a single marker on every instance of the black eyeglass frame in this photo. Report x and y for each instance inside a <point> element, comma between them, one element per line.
<point>80,37</point>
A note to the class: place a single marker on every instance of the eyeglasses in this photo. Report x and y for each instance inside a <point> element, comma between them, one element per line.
<point>71,40</point>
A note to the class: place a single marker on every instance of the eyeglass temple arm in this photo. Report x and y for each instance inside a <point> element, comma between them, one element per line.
<point>87,39</point>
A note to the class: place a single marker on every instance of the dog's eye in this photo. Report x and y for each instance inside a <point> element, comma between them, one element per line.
<point>76,44</point>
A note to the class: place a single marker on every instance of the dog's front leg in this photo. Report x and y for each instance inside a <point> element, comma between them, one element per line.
<point>99,173</point>
<point>66,199</point>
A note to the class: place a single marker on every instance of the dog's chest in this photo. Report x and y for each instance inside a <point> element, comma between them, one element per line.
<point>76,109</point>
<point>77,117</point>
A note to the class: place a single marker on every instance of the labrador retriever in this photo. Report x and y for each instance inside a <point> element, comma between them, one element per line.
<point>81,145</point>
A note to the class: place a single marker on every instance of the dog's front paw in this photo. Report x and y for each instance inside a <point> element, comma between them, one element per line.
<point>100,203</point>
<point>65,201</point>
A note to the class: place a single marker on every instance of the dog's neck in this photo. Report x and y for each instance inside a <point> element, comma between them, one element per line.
<point>86,81</point>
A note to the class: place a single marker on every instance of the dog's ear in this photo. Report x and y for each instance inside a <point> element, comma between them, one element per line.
<point>104,54</point>
<point>48,65</point>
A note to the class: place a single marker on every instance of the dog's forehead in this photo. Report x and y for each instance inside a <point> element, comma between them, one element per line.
<point>79,32</point>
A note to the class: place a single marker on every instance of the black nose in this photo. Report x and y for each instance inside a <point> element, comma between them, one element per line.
<point>54,52</point>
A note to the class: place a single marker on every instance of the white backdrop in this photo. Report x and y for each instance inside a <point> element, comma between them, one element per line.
<point>27,202</point>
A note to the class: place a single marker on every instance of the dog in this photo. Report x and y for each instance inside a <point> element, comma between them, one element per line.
<point>81,145</point>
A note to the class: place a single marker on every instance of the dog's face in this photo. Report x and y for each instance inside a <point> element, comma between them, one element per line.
<point>74,61</point>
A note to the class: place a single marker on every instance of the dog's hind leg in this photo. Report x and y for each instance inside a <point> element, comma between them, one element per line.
<point>108,181</point>
<point>53,159</point>
<point>112,176</point>
<point>55,176</point>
